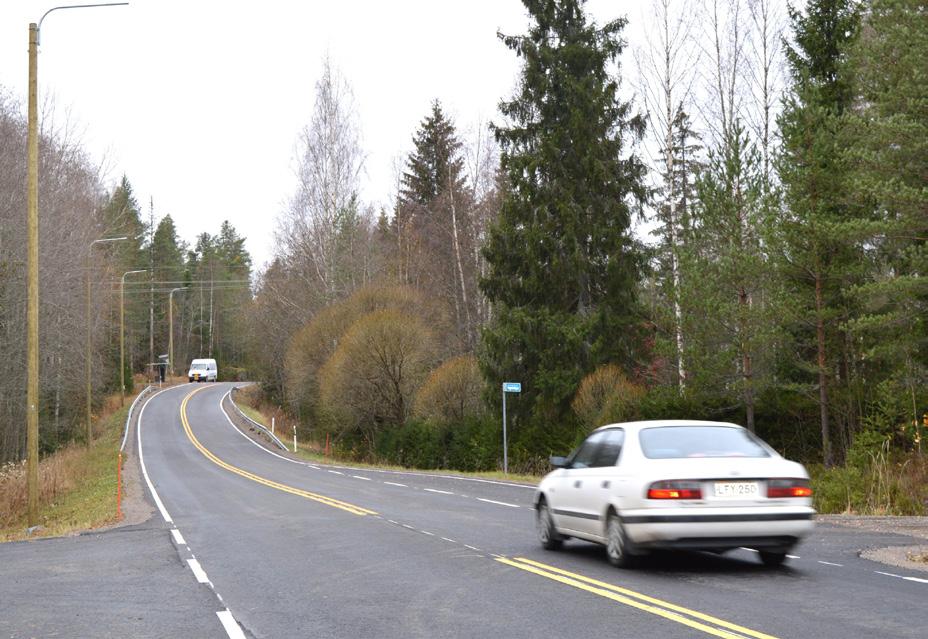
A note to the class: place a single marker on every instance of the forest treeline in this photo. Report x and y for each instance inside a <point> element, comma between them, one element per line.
<point>739,234</point>
<point>79,223</point>
<point>777,157</point>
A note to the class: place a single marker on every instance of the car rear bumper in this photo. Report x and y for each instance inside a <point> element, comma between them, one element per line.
<point>719,530</point>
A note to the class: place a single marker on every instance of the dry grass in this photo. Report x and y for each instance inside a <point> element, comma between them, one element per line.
<point>77,485</point>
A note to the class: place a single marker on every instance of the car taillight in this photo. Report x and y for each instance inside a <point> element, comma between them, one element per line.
<point>777,488</point>
<point>675,490</point>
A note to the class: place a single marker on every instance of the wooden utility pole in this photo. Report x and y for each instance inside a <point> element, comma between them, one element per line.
<point>151,280</point>
<point>32,305</point>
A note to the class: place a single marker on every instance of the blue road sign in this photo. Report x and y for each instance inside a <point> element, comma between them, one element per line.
<point>512,387</point>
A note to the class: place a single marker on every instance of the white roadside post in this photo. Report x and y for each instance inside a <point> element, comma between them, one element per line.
<point>272,425</point>
<point>508,387</point>
<point>294,438</point>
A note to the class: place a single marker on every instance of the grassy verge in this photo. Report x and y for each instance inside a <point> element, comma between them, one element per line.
<point>882,485</point>
<point>78,486</point>
<point>314,454</point>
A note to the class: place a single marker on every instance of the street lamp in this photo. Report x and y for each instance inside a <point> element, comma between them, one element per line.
<point>122,333</point>
<point>89,340</point>
<point>171,328</point>
<point>32,279</point>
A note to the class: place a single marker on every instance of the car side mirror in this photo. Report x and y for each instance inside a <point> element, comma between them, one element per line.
<point>558,462</point>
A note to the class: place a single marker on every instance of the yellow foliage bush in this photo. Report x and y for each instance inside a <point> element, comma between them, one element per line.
<point>607,396</point>
<point>452,392</point>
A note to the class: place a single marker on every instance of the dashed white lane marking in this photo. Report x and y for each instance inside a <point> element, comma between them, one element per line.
<point>359,477</point>
<point>498,503</point>
<point>450,541</point>
<point>178,538</point>
<point>198,571</point>
<point>336,472</point>
<point>229,624</point>
<point>395,523</point>
<point>472,547</point>
<point>440,492</point>
<point>393,483</point>
<point>828,563</point>
<point>425,532</point>
<point>915,579</point>
<point>407,526</point>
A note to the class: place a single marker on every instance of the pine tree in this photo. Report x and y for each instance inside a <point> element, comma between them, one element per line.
<point>819,256</point>
<point>562,265</point>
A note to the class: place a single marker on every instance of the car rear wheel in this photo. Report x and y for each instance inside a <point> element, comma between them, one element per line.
<point>772,559</point>
<point>617,543</point>
<point>547,533</point>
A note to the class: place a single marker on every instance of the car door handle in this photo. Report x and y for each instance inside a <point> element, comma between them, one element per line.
<point>606,484</point>
<point>578,483</point>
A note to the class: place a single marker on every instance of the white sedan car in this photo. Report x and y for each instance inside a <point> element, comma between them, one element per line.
<point>674,484</point>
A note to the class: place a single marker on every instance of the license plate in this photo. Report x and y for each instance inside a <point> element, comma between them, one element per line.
<point>736,489</point>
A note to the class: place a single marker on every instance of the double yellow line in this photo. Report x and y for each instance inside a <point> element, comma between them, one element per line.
<point>692,618</point>
<point>322,499</point>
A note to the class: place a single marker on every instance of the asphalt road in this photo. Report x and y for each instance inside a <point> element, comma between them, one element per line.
<point>265,546</point>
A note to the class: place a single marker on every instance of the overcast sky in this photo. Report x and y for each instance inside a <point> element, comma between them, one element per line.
<point>200,102</point>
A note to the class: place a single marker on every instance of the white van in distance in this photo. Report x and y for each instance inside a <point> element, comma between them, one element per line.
<point>203,370</point>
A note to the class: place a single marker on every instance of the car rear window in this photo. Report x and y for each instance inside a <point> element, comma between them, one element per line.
<point>675,442</point>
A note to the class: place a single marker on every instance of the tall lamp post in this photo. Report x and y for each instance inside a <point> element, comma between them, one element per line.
<point>122,332</point>
<point>89,340</point>
<point>171,328</point>
<point>32,260</point>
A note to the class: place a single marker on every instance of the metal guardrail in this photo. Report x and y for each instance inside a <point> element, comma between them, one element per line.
<point>254,423</point>
<point>129,416</point>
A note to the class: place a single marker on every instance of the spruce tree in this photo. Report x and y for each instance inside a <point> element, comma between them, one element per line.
<point>819,257</point>
<point>562,265</point>
<point>890,172</point>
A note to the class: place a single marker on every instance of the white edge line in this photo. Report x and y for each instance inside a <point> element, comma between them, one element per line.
<point>229,624</point>
<point>888,574</point>
<point>125,435</point>
<point>151,487</point>
<point>178,538</point>
<point>267,450</point>
<point>916,579</point>
<point>371,470</point>
<point>498,503</point>
<point>198,571</point>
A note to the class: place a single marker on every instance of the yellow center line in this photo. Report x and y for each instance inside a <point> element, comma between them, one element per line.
<point>637,600</point>
<point>328,501</point>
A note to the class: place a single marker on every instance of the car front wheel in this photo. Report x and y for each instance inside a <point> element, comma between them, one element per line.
<point>547,533</point>
<point>617,543</point>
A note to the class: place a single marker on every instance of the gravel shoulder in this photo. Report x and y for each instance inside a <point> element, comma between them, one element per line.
<point>899,556</point>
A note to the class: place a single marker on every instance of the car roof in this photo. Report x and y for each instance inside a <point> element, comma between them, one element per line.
<point>658,423</point>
